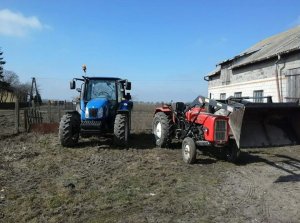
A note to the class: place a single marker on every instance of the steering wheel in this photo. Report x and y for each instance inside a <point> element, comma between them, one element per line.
<point>104,93</point>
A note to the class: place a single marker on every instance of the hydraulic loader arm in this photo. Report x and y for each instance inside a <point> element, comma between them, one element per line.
<point>202,101</point>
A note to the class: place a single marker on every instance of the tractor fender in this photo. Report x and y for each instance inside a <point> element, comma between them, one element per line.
<point>123,111</point>
<point>72,112</point>
<point>125,105</point>
<point>164,109</point>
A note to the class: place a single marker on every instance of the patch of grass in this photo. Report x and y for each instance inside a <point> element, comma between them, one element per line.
<point>57,200</point>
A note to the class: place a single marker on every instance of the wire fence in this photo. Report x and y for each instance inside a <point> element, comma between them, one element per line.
<point>18,117</point>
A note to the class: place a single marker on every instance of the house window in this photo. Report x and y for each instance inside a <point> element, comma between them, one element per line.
<point>237,94</point>
<point>222,96</point>
<point>258,96</point>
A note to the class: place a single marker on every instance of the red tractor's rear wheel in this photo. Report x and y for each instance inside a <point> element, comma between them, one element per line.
<point>161,127</point>
<point>189,150</point>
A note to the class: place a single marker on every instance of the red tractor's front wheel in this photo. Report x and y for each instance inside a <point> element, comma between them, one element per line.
<point>232,152</point>
<point>189,150</point>
<point>161,129</point>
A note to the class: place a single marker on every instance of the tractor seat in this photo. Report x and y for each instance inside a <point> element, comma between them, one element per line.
<point>180,107</point>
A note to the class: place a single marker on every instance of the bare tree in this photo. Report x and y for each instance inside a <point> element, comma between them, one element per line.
<point>22,91</point>
<point>11,78</point>
<point>12,83</point>
<point>2,62</point>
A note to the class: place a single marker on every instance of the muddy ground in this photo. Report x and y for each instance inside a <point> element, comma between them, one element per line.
<point>95,182</point>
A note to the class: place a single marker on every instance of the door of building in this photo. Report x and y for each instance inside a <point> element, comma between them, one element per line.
<point>293,85</point>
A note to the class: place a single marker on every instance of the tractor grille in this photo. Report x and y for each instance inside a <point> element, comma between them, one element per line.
<point>220,130</point>
<point>93,112</point>
<point>91,125</point>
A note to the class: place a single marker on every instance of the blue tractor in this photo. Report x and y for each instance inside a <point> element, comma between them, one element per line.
<point>104,108</point>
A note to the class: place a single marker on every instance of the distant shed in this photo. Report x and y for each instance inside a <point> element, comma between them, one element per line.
<point>6,92</point>
<point>269,68</point>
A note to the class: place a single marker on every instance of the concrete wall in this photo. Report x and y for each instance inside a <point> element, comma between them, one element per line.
<point>259,76</point>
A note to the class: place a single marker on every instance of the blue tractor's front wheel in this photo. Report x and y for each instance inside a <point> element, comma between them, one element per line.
<point>121,129</point>
<point>69,128</point>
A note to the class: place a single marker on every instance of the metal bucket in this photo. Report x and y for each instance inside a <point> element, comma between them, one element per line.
<point>266,125</point>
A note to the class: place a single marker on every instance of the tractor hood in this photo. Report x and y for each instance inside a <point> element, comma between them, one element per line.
<point>97,103</point>
<point>96,108</point>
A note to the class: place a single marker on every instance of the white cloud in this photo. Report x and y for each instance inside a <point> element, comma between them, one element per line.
<point>16,24</point>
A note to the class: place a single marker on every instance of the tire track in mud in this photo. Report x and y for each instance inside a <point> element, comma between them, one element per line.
<point>245,193</point>
<point>249,194</point>
<point>274,197</point>
<point>268,190</point>
<point>265,207</point>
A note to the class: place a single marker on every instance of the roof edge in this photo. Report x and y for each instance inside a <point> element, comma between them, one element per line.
<point>266,58</point>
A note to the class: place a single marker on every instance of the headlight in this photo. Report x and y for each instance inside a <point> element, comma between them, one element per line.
<point>86,112</point>
<point>100,112</point>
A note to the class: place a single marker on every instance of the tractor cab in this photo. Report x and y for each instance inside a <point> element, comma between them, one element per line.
<point>102,97</point>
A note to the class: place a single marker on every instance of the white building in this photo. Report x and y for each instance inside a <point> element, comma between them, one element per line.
<point>269,68</point>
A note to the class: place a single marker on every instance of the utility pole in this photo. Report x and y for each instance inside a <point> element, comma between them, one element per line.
<point>35,97</point>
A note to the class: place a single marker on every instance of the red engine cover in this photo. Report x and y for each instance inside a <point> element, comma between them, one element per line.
<point>212,130</point>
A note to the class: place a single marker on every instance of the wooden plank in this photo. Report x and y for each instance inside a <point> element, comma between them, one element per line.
<point>11,105</point>
<point>26,120</point>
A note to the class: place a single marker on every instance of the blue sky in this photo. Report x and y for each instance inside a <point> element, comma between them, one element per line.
<point>164,47</point>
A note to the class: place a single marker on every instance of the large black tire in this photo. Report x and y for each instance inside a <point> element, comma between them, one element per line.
<point>121,130</point>
<point>189,150</point>
<point>161,128</point>
<point>69,129</point>
<point>232,152</point>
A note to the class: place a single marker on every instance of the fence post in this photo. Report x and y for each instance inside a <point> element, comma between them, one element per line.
<point>59,113</point>
<point>17,116</point>
<point>33,104</point>
<point>49,111</point>
<point>26,119</point>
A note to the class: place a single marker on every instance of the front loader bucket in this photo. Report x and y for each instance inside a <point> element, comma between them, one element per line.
<point>266,125</point>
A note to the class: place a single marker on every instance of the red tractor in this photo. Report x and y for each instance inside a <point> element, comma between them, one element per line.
<point>230,125</point>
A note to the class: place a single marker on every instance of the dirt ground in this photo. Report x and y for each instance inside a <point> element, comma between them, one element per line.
<point>40,181</point>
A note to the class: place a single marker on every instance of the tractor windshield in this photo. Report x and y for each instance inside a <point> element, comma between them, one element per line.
<point>101,89</point>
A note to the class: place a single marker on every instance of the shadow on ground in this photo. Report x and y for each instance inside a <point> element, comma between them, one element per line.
<point>136,141</point>
<point>286,164</point>
<point>142,141</point>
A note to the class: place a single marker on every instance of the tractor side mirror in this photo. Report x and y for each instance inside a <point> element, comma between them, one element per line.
<point>128,85</point>
<point>72,84</point>
<point>128,96</point>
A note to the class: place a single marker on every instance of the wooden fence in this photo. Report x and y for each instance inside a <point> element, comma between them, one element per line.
<point>17,117</point>
<point>32,116</point>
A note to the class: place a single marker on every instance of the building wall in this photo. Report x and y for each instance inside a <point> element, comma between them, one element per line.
<point>260,76</point>
<point>6,96</point>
